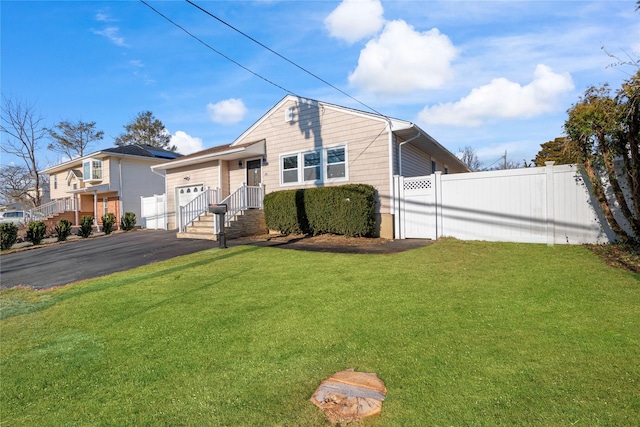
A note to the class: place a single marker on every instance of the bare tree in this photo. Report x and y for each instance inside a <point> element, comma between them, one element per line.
<point>15,185</point>
<point>469,157</point>
<point>25,131</point>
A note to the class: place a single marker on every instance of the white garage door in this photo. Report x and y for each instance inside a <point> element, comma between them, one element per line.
<point>188,193</point>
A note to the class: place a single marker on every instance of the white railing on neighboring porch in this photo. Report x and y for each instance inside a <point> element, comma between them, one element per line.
<point>52,208</point>
<point>192,210</point>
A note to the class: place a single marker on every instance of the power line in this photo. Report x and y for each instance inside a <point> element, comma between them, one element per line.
<point>216,51</point>
<point>282,57</point>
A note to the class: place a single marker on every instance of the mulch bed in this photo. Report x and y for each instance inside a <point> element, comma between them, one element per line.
<point>620,255</point>
<point>323,239</point>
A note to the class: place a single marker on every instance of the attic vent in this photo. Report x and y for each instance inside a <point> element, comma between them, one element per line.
<point>289,113</point>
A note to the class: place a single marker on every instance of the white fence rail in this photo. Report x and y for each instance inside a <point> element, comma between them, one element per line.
<point>153,210</point>
<point>549,204</point>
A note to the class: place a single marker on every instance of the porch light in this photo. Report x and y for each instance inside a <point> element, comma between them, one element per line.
<point>240,164</point>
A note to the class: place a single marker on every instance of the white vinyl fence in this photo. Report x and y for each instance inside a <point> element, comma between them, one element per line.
<point>154,212</point>
<point>549,204</point>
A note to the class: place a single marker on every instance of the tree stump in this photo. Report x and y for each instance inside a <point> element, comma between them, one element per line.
<point>348,396</point>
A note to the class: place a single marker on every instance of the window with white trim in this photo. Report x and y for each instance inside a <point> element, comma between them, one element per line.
<point>314,166</point>
<point>92,170</point>
<point>289,169</point>
<point>336,163</point>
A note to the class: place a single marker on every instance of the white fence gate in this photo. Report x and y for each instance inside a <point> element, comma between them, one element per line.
<point>549,204</point>
<point>154,212</point>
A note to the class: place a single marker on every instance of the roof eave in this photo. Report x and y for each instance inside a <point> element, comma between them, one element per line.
<point>98,154</point>
<point>233,153</point>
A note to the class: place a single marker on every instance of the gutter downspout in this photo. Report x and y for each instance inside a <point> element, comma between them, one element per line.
<point>392,191</point>
<point>400,151</point>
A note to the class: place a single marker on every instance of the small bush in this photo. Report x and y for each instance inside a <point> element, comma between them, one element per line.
<point>36,230</point>
<point>8,235</point>
<point>107,223</point>
<point>128,221</point>
<point>63,229</point>
<point>86,226</point>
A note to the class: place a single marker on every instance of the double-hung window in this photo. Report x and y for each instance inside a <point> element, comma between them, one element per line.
<point>290,169</point>
<point>317,166</point>
<point>312,166</point>
<point>336,163</point>
<point>92,170</point>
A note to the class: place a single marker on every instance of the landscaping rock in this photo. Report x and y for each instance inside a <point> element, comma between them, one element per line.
<point>349,396</point>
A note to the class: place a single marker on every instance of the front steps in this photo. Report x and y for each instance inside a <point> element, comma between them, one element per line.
<point>247,223</point>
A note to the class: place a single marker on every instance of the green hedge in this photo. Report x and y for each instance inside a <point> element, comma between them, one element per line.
<point>347,209</point>
<point>8,235</point>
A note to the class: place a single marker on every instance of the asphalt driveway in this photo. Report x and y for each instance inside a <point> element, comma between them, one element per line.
<point>61,264</point>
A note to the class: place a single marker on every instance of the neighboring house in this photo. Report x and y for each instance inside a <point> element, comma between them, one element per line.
<point>107,181</point>
<point>302,143</point>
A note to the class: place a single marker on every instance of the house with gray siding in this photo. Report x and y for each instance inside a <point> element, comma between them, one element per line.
<point>303,143</point>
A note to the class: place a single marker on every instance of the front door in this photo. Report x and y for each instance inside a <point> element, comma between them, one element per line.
<point>254,173</point>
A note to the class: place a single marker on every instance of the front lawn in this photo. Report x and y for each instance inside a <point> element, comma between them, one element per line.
<point>462,333</point>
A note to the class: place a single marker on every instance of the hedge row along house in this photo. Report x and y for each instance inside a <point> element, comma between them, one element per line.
<point>301,143</point>
<point>106,181</point>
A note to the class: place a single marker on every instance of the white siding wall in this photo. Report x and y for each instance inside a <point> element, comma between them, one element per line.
<point>320,127</point>
<point>206,174</point>
<point>137,181</point>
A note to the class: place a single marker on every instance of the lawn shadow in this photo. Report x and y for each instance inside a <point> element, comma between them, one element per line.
<point>28,308</point>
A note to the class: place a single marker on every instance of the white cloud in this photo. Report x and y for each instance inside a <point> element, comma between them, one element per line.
<point>229,111</point>
<point>354,20</point>
<point>104,16</point>
<point>186,143</point>
<point>403,60</point>
<point>503,99</point>
<point>113,34</point>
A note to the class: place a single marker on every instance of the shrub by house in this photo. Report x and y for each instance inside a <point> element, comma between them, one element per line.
<point>347,209</point>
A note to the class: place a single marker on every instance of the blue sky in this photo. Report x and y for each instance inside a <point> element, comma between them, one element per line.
<point>493,75</point>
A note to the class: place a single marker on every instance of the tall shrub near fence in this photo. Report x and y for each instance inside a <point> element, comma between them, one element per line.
<point>347,209</point>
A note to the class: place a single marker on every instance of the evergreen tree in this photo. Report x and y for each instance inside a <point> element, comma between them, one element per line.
<point>560,150</point>
<point>146,130</point>
<point>73,138</point>
<point>606,131</point>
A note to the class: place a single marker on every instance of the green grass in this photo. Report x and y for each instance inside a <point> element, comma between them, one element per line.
<point>462,333</point>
